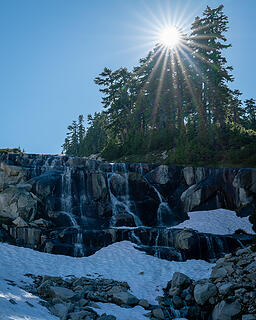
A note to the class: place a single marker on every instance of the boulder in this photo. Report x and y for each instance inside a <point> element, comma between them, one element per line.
<point>61,293</point>
<point>11,175</point>
<point>226,288</point>
<point>158,313</point>
<point>118,185</point>
<point>60,310</point>
<point>185,240</point>
<point>180,280</point>
<point>19,222</point>
<point>125,298</point>
<point>203,292</point>
<point>44,184</point>
<point>17,202</point>
<point>226,311</point>
<point>218,273</point>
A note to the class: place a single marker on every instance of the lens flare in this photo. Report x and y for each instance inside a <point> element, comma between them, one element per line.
<point>169,37</point>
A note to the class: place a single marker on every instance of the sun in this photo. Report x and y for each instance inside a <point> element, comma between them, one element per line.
<point>169,37</point>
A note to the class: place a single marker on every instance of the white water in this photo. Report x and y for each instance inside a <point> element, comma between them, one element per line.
<point>66,206</point>
<point>121,202</point>
<point>162,206</point>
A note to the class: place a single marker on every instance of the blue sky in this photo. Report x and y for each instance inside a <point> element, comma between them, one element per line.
<point>51,50</point>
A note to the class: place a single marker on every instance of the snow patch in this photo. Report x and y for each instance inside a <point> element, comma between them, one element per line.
<point>146,275</point>
<point>219,221</point>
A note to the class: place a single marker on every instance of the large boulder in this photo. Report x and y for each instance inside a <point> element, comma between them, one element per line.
<point>185,240</point>
<point>204,291</point>
<point>18,202</point>
<point>45,184</point>
<point>226,311</point>
<point>118,185</point>
<point>180,280</point>
<point>11,175</point>
<point>125,298</point>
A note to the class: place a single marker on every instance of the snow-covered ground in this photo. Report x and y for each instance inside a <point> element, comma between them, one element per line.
<point>220,221</point>
<point>145,274</point>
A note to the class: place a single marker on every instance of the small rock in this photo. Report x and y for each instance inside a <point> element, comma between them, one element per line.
<point>60,310</point>
<point>158,313</point>
<point>12,301</point>
<point>177,302</point>
<point>249,317</point>
<point>226,288</point>
<point>19,222</point>
<point>218,273</point>
<point>143,303</point>
<point>125,298</point>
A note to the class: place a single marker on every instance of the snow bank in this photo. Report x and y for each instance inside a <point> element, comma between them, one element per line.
<point>145,274</point>
<point>220,221</point>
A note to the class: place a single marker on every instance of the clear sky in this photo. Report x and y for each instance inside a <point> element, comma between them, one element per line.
<point>51,50</point>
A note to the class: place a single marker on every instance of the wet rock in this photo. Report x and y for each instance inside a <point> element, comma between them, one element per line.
<point>185,240</point>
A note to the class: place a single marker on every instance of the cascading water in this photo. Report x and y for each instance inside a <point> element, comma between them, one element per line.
<point>66,206</point>
<point>163,207</point>
<point>121,203</point>
<point>82,198</point>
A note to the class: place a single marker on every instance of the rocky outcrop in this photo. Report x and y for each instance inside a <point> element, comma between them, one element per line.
<point>76,298</point>
<point>229,294</point>
<point>72,205</point>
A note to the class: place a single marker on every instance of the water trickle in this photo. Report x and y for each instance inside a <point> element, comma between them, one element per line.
<point>157,251</point>
<point>210,246</point>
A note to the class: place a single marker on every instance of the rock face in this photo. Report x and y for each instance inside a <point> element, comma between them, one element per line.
<point>74,206</point>
<point>229,296</point>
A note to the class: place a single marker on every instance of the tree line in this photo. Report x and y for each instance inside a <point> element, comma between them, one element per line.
<point>175,99</point>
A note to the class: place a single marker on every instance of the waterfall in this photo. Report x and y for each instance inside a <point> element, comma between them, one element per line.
<point>121,203</point>
<point>163,206</point>
<point>82,198</point>
<point>66,206</point>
